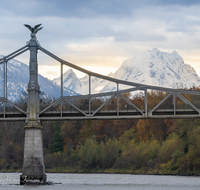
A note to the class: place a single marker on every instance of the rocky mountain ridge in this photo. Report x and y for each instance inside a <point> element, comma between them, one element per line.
<point>151,67</point>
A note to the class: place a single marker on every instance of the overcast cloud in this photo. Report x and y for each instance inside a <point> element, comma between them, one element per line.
<point>97,34</point>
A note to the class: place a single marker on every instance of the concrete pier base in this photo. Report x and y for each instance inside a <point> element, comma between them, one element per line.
<point>33,166</point>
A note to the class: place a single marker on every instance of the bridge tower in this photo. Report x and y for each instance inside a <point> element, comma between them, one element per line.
<point>33,165</point>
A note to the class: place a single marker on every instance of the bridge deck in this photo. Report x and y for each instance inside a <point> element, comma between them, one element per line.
<point>109,114</point>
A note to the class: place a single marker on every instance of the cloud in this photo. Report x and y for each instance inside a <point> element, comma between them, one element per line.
<point>83,9</point>
<point>101,33</point>
<point>66,8</point>
<point>176,2</point>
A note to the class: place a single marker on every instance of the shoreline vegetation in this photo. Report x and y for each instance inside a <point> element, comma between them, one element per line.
<point>112,171</point>
<point>146,147</point>
<point>133,172</point>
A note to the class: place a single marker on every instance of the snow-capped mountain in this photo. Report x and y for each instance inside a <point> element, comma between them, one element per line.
<point>157,68</point>
<point>151,67</point>
<point>18,78</point>
<point>70,80</point>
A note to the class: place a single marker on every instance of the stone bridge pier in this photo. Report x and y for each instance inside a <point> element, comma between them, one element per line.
<point>33,168</point>
<point>33,165</point>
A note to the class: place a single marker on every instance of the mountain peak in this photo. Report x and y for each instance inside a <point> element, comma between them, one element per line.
<point>69,71</point>
<point>175,52</point>
<point>155,50</point>
<point>18,78</point>
<point>157,68</point>
<point>69,74</point>
<point>151,67</point>
<point>70,80</point>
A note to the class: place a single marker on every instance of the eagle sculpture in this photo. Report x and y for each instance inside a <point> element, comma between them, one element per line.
<point>35,29</point>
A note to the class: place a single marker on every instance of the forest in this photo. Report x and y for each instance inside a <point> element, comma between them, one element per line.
<point>148,146</point>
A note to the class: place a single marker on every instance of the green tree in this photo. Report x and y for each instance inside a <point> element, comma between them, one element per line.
<point>57,144</point>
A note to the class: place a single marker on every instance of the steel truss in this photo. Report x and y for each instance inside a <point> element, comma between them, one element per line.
<point>51,113</point>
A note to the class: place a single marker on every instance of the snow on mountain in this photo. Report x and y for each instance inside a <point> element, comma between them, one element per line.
<point>151,67</point>
<point>70,81</point>
<point>157,68</point>
<point>18,78</point>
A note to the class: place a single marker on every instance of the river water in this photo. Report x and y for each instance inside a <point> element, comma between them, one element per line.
<point>10,181</point>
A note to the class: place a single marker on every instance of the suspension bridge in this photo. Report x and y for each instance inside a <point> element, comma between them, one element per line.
<point>107,105</point>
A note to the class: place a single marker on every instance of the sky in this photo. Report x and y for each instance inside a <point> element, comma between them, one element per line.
<point>99,35</point>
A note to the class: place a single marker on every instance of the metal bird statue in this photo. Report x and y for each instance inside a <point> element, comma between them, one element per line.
<point>34,30</point>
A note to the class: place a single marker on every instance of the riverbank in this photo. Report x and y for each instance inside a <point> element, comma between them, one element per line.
<point>143,171</point>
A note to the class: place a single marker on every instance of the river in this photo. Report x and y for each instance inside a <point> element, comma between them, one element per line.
<point>10,181</point>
